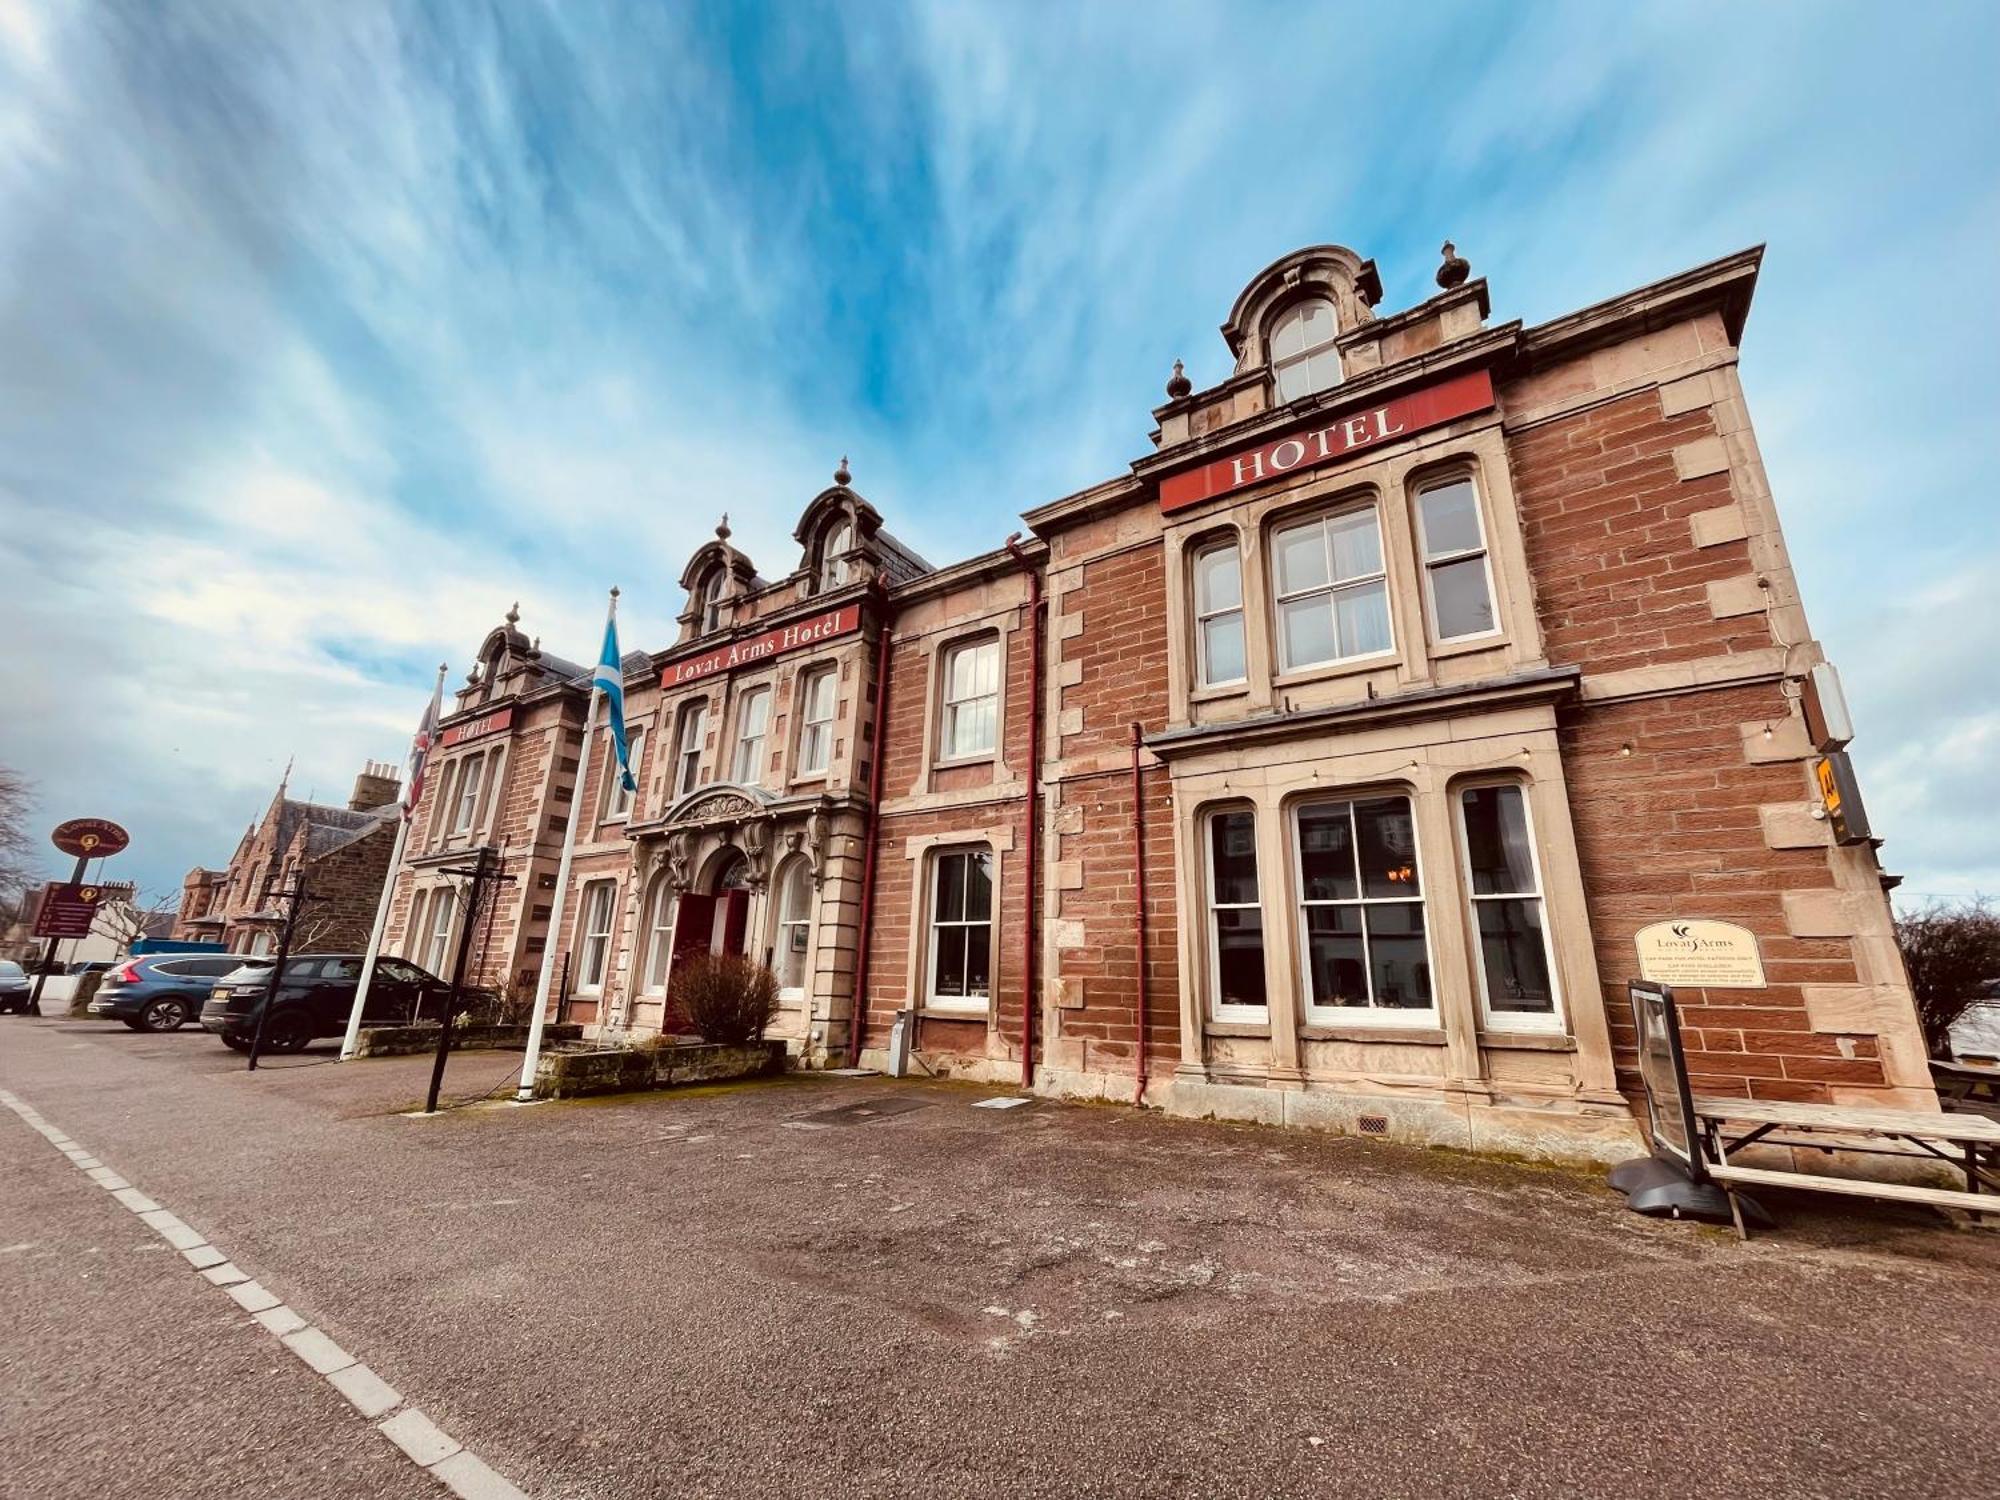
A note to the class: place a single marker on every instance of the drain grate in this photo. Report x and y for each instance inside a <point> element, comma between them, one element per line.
<point>1374,1124</point>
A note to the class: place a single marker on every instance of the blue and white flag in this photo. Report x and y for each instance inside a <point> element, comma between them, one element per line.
<point>610,680</point>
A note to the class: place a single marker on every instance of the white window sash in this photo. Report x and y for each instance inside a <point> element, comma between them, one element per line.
<point>970,1004</point>
<point>816,722</point>
<point>687,767</point>
<point>1203,615</point>
<point>1511,1020</point>
<point>596,945</point>
<point>1330,592</point>
<point>1372,1014</point>
<point>1435,560</point>
<point>1216,1008</point>
<point>958,709</point>
<point>753,718</point>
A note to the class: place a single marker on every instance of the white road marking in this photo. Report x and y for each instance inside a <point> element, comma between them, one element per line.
<point>421,1440</point>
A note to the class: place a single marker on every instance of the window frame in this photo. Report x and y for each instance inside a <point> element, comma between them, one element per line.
<point>1203,614</point>
<point>760,698</point>
<point>708,600</point>
<point>949,707</point>
<point>657,923</point>
<point>1255,1015</point>
<point>799,867</point>
<point>1554,1020</point>
<point>1374,1013</point>
<point>832,570</point>
<point>1321,517</point>
<point>811,678</point>
<point>961,1005</point>
<point>1428,565</point>
<point>437,936</point>
<point>586,934</point>
<point>1280,364</point>
<point>466,794</point>
<point>618,803</point>
<point>687,758</point>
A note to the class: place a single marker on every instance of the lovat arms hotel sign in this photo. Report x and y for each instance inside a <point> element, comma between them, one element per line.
<point>816,631</point>
<point>1330,441</point>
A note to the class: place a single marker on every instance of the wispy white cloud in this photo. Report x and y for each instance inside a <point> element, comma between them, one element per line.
<point>327,332</point>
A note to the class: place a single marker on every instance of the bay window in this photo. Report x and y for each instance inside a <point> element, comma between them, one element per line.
<point>1457,578</point>
<point>1235,918</point>
<point>1332,593</point>
<point>1218,614</point>
<point>1361,909</point>
<point>961,930</point>
<point>1515,963</point>
<point>971,699</point>
<point>753,717</point>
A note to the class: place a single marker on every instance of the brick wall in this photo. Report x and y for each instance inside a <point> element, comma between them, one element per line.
<point>1119,660</point>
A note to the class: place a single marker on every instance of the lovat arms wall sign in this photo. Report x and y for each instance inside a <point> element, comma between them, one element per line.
<point>1694,952</point>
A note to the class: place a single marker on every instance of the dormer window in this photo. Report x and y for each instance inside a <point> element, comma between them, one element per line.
<point>1303,359</point>
<point>833,566</point>
<point>711,602</point>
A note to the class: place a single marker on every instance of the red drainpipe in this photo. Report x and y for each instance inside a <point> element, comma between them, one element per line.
<point>1032,853</point>
<point>876,755</point>
<point>1139,880</point>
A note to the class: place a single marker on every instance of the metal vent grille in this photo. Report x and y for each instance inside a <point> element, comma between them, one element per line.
<point>1374,1124</point>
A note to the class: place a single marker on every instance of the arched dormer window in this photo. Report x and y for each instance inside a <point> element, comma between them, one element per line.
<point>710,595</point>
<point>834,570</point>
<point>1303,358</point>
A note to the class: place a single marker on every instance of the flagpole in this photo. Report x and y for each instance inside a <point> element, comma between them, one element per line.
<point>560,900</point>
<point>352,1037</point>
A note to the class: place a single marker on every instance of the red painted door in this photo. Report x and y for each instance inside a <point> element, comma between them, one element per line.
<point>735,920</point>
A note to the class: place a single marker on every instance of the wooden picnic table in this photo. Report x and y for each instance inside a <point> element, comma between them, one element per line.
<point>1966,1083</point>
<point>1969,1143</point>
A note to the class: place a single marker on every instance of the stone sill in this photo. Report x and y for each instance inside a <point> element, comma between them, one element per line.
<point>1526,1041</point>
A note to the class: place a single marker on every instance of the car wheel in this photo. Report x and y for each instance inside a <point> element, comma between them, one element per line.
<point>168,1013</point>
<point>287,1034</point>
<point>236,1043</point>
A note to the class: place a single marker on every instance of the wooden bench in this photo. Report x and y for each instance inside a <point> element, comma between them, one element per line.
<point>1968,1143</point>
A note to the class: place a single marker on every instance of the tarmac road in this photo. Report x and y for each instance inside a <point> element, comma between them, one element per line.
<point>863,1287</point>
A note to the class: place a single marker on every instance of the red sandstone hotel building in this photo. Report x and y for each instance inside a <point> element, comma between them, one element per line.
<point>1322,769</point>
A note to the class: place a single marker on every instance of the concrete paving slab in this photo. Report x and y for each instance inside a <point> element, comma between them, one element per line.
<point>418,1436</point>
<point>369,1393</point>
<point>317,1350</point>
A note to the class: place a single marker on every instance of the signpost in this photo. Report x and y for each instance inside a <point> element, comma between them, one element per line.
<point>72,903</point>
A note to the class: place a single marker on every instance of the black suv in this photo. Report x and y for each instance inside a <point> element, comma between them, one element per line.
<point>316,995</point>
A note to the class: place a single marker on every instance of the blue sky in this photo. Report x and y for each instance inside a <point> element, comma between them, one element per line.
<point>328,331</point>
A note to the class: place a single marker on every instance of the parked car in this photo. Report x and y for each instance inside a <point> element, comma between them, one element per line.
<point>317,993</point>
<point>161,991</point>
<point>15,986</point>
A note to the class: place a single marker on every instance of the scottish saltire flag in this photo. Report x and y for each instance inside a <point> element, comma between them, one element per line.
<point>420,747</point>
<point>610,680</point>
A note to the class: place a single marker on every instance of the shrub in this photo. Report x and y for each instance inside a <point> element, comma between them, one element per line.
<point>1949,949</point>
<point>725,997</point>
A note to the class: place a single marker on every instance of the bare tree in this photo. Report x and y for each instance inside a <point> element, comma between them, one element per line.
<point>129,918</point>
<point>17,848</point>
<point>1950,948</point>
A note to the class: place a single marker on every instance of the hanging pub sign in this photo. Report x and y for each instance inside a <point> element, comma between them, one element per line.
<point>90,838</point>
<point>1692,951</point>
<point>1328,440</point>
<point>476,729</point>
<point>1840,795</point>
<point>67,909</point>
<point>816,631</point>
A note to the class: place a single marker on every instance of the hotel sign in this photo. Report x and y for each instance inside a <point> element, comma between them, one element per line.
<point>816,631</point>
<point>476,729</point>
<point>1330,441</point>
<point>1696,953</point>
<point>68,909</point>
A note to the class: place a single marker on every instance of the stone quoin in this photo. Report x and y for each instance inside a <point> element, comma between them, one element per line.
<point>1360,727</point>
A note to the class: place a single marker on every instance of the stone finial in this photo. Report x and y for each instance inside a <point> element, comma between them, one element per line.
<point>514,613</point>
<point>722,528</point>
<point>1455,268</point>
<point>1178,385</point>
<point>842,475</point>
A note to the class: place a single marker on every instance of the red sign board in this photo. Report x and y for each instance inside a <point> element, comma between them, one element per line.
<point>67,910</point>
<point>816,631</point>
<point>90,838</point>
<point>476,729</point>
<point>1329,441</point>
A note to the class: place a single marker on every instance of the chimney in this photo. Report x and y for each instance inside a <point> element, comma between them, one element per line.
<point>376,786</point>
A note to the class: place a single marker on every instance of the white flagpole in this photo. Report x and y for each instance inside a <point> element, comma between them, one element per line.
<point>560,900</point>
<point>352,1038</point>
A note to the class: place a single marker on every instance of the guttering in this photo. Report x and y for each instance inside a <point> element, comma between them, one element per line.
<point>858,1006</point>
<point>1034,778</point>
<point>1139,882</point>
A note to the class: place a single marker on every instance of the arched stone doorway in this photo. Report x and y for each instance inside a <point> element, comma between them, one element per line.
<point>715,916</point>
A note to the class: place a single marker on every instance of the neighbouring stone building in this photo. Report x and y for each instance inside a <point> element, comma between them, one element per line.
<point>342,851</point>
<point>1331,766</point>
